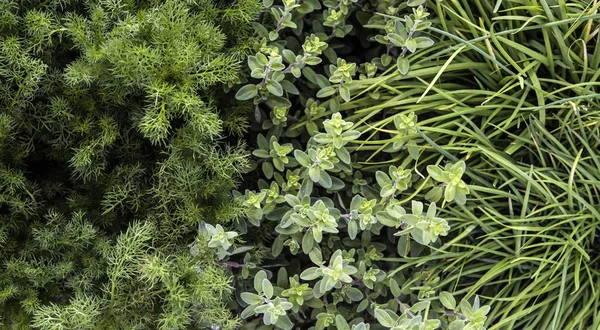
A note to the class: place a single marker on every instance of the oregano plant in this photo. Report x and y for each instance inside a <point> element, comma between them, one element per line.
<point>336,224</point>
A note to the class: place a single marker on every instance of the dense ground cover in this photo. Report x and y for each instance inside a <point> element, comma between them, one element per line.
<point>388,164</point>
<point>113,131</point>
<point>506,103</point>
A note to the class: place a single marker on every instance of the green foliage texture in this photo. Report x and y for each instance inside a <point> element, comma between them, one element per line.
<point>300,164</point>
<point>116,142</point>
<point>414,152</point>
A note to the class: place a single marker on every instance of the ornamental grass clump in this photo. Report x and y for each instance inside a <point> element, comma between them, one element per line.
<point>511,92</point>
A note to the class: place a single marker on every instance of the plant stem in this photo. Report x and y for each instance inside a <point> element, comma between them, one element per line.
<point>453,313</point>
<point>231,264</point>
<point>304,57</point>
<point>406,309</point>
<point>413,29</point>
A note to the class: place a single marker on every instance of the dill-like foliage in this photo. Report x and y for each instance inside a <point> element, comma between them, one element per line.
<point>113,147</point>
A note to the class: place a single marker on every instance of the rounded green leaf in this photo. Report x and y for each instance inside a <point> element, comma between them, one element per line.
<point>387,190</point>
<point>289,87</point>
<point>382,178</point>
<point>415,3</point>
<point>396,39</point>
<point>277,67</point>
<point>279,164</point>
<point>308,241</point>
<point>282,277</point>
<point>325,92</point>
<point>435,172</point>
<point>435,194</point>
<point>316,256</point>
<point>345,93</point>
<point>310,274</point>
<point>465,307</point>
<point>459,167</point>
<point>403,247</point>
<point>411,45</point>
<point>352,229</point>
<point>318,235</point>
<point>340,323</point>
<point>254,64</point>
<point>258,279</point>
<point>395,288</point>
<point>322,81</point>
<point>312,60</point>
<point>267,169</point>
<point>457,325</point>
<point>312,128</point>
<point>250,298</point>
<point>421,305</point>
<point>284,322</point>
<point>247,92</point>
<point>277,247</point>
<point>351,135</point>
<point>325,180</point>
<point>309,74</point>
<point>247,312</point>
<point>354,294</point>
<point>274,88</point>
<point>278,101</point>
<point>387,220</point>
<point>302,158</point>
<point>334,105</point>
<point>447,299</point>
<point>384,318</point>
<point>449,193</point>
<point>336,184</point>
<point>362,306</point>
<point>262,142</point>
<point>292,200</point>
<point>288,55</point>
<point>314,173</point>
<point>306,187</point>
<point>403,65</point>
<point>343,155</point>
<point>460,197</point>
<point>386,59</point>
<point>413,149</point>
<point>261,153</point>
<point>290,24</point>
<point>423,42</point>
<point>267,288</point>
<point>273,35</point>
<point>296,72</point>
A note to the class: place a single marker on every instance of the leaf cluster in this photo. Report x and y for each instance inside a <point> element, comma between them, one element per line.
<point>116,141</point>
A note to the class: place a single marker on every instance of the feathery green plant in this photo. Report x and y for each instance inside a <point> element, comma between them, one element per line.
<point>117,142</point>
